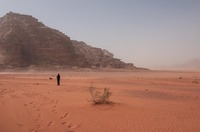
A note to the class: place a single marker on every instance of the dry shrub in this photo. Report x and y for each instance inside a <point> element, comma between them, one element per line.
<point>98,97</point>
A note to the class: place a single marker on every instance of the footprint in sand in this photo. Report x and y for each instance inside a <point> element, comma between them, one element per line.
<point>51,123</point>
<point>64,123</point>
<point>32,130</point>
<point>70,126</point>
<point>54,111</point>
<point>19,125</point>
<point>39,120</point>
<point>62,117</point>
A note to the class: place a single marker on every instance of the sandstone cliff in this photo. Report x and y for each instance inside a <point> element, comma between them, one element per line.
<point>26,42</point>
<point>99,57</point>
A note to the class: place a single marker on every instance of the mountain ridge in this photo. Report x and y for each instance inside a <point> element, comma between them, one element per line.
<point>26,42</point>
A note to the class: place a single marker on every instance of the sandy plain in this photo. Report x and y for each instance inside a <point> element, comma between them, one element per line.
<point>144,101</point>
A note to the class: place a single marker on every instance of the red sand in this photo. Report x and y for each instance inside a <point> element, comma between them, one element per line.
<point>144,101</point>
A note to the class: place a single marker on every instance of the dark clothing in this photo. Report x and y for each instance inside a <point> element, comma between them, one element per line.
<point>58,79</point>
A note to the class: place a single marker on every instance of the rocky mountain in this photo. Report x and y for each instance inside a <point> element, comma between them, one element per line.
<point>26,42</point>
<point>99,57</point>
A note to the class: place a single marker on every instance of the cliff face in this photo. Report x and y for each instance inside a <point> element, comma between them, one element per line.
<point>99,57</point>
<point>25,42</point>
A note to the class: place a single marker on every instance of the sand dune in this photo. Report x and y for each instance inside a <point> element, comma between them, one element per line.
<point>143,101</point>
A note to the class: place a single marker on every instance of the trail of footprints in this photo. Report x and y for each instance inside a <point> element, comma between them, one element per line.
<point>41,123</point>
<point>4,91</point>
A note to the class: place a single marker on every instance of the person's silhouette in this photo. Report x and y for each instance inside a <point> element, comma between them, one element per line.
<point>58,79</point>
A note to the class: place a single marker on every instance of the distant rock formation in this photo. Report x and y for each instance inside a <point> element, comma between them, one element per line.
<point>99,57</point>
<point>26,42</point>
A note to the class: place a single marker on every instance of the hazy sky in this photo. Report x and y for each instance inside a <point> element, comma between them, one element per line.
<point>148,33</point>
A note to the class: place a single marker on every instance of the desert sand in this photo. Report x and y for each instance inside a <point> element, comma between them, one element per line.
<point>155,101</point>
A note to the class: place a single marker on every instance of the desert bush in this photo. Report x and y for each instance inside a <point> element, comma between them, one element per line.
<point>98,97</point>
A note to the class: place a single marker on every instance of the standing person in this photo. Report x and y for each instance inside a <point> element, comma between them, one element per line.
<point>58,79</point>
